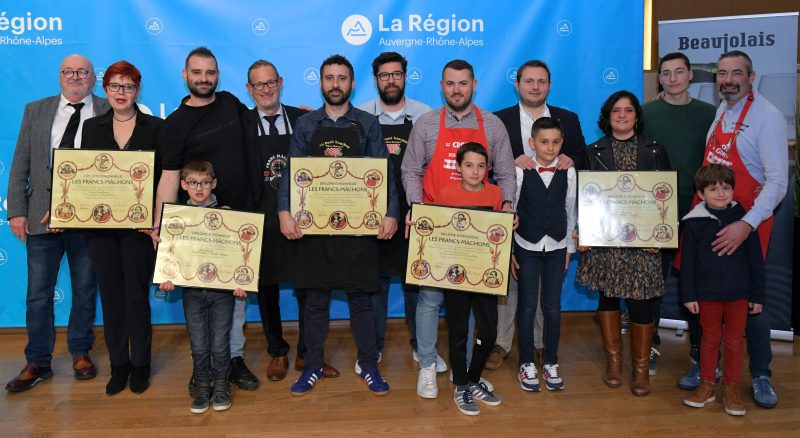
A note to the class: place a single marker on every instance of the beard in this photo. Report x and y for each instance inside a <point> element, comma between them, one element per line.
<point>331,100</point>
<point>195,91</point>
<point>463,106</point>
<point>392,96</point>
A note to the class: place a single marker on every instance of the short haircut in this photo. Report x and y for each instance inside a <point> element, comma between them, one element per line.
<point>533,63</point>
<point>459,64</point>
<point>124,69</point>
<point>261,63</point>
<point>545,123</point>
<point>735,54</point>
<point>387,57</point>
<point>604,122</point>
<point>198,166</point>
<point>338,60</point>
<point>471,147</point>
<point>712,174</point>
<point>202,52</point>
<point>673,56</point>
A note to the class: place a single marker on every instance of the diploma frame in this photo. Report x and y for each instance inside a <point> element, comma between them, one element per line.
<point>460,249</point>
<point>637,209</point>
<point>340,196</point>
<point>105,189</point>
<point>209,248</point>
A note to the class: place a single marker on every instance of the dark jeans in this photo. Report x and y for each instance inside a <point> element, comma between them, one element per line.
<point>123,261</point>
<point>45,252</point>
<point>380,305</point>
<point>209,317</point>
<point>458,306</point>
<point>549,266</point>
<point>362,324</point>
<point>758,345</point>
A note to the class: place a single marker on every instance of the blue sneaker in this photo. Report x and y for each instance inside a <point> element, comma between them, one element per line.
<point>306,382</point>
<point>375,382</point>
<point>763,394</point>
<point>528,379</point>
<point>691,380</point>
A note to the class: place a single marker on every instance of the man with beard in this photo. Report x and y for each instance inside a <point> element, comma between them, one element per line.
<point>347,263</point>
<point>533,86</point>
<point>429,165</point>
<point>207,126</point>
<point>749,137</point>
<point>396,113</point>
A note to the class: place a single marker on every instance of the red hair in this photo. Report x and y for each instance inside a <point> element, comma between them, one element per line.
<point>124,69</point>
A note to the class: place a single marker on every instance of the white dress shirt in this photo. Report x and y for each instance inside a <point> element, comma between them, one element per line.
<point>63,113</point>
<point>526,124</point>
<point>280,122</point>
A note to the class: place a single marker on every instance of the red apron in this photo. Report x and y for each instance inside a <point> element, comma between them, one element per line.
<point>442,170</point>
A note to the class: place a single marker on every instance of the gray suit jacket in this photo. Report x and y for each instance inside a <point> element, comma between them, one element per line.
<point>30,176</point>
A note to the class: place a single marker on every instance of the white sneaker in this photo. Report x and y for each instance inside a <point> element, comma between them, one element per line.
<point>487,383</point>
<point>441,365</point>
<point>426,382</point>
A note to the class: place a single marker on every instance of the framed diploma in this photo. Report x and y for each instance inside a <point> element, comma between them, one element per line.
<point>628,209</point>
<point>463,249</point>
<point>102,189</point>
<point>338,196</point>
<point>209,248</point>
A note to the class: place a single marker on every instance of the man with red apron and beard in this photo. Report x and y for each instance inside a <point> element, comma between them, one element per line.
<point>429,165</point>
<point>749,136</point>
<point>325,263</point>
<point>396,113</point>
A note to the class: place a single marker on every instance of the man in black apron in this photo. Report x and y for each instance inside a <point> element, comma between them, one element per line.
<point>343,263</point>
<point>267,129</point>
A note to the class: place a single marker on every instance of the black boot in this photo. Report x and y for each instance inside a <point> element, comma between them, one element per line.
<point>201,396</point>
<point>140,379</point>
<point>221,400</point>
<point>119,378</point>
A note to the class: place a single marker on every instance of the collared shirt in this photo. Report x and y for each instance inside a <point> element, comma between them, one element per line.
<point>422,143</point>
<point>280,122</point>
<point>762,146</point>
<point>414,109</point>
<point>63,113</point>
<point>547,243</point>
<point>526,120</point>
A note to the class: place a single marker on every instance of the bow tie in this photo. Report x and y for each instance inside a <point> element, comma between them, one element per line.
<point>547,169</point>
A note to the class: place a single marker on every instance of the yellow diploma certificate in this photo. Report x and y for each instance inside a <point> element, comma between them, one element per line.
<point>210,248</point>
<point>628,209</point>
<point>463,249</point>
<point>102,189</point>
<point>338,196</point>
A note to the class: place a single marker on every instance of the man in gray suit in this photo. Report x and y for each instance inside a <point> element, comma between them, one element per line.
<point>53,122</point>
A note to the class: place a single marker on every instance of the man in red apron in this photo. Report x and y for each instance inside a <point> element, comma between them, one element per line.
<point>430,164</point>
<point>749,136</point>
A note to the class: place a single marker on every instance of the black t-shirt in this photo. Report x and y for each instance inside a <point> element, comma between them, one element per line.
<point>214,133</point>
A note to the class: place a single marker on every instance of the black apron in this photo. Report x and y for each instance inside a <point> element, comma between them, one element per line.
<point>347,263</point>
<point>276,250</point>
<point>394,252</point>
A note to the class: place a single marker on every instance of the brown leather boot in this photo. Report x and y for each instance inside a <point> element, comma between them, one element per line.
<point>610,327</point>
<point>641,338</point>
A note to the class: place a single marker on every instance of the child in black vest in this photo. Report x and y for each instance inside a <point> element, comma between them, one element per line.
<point>542,247</point>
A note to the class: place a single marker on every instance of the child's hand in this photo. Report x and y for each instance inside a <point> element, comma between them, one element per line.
<point>693,307</point>
<point>239,293</point>
<point>166,286</point>
<point>755,308</point>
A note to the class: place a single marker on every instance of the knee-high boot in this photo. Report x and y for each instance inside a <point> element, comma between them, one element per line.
<point>610,327</point>
<point>641,339</point>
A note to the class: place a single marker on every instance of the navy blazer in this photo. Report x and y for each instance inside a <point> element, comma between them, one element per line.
<point>574,145</point>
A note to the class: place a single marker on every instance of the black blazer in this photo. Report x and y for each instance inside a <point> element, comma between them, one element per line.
<point>650,156</point>
<point>250,122</point>
<point>574,144</point>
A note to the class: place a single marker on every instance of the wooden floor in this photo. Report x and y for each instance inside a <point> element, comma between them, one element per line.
<point>343,407</point>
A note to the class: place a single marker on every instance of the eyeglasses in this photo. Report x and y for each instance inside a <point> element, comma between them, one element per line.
<point>126,88</point>
<point>80,73</point>
<point>261,85</point>
<point>384,76</point>
<point>206,183</point>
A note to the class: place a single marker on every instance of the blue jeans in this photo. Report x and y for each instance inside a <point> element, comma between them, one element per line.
<point>44,259</point>
<point>428,305</point>
<point>549,266</point>
<point>209,316</point>
<point>237,327</point>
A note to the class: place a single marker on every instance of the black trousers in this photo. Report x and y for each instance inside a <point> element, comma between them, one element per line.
<point>123,263</point>
<point>269,305</point>
<point>458,306</point>
<point>362,324</point>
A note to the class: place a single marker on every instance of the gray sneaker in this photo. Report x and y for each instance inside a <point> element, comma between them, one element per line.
<point>653,363</point>
<point>481,393</point>
<point>763,393</point>
<point>221,400</point>
<point>464,401</point>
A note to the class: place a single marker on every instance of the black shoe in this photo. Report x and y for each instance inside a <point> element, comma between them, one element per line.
<point>241,376</point>
<point>119,378</point>
<point>201,396</point>
<point>221,401</point>
<point>140,379</point>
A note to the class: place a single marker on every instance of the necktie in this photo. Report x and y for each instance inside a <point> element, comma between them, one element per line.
<point>273,130</point>
<point>547,169</point>
<point>68,140</point>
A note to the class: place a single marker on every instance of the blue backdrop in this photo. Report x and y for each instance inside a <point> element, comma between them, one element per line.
<point>592,52</point>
